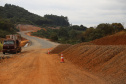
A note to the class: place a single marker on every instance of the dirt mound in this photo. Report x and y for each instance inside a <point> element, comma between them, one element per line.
<point>116,39</point>
<point>60,48</point>
<point>24,42</point>
<point>107,61</point>
<point>28,28</point>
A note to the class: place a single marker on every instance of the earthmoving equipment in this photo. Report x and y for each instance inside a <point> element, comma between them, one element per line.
<point>12,44</point>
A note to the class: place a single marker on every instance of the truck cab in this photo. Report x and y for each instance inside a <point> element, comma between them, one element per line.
<point>11,46</point>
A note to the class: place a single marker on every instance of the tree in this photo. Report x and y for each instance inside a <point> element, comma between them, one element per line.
<point>73,34</point>
<point>117,27</point>
<point>20,15</point>
<point>63,33</point>
<point>54,37</point>
<point>58,20</point>
<point>107,28</point>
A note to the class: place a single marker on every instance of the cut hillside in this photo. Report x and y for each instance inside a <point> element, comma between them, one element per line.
<point>107,61</point>
<point>28,28</point>
<point>116,39</point>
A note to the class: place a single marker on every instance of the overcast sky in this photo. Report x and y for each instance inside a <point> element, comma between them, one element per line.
<point>86,12</point>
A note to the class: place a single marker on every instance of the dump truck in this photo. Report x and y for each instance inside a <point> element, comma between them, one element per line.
<point>12,44</point>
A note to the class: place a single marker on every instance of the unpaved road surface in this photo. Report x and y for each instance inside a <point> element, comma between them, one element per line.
<point>34,66</point>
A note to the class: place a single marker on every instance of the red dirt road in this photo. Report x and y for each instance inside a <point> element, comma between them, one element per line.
<point>34,66</point>
<point>37,67</point>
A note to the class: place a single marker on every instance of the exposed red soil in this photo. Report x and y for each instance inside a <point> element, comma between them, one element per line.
<point>107,59</point>
<point>28,28</point>
<point>60,48</point>
<point>37,67</point>
<point>116,39</point>
<point>23,42</point>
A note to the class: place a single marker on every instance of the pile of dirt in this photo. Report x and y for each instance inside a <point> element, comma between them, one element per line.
<point>60,48</point>
<point>108,61</point>
<point>116,39</point>
<point>23,42</point>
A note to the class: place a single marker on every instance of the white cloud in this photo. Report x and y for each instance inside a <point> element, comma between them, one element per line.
<point>86,12</point>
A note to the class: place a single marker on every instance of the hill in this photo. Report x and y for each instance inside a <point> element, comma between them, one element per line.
<point>20,15</point>
<point>11,16</point>
<point>106,59</point>
<point>116,39</point>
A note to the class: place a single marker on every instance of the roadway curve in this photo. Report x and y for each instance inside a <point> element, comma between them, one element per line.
<point>38,42</point>
<point>35,66</point>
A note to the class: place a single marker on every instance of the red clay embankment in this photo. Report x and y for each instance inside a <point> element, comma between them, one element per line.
<point>108,62</point>
<point>105,57</point>
<point>116,39</point>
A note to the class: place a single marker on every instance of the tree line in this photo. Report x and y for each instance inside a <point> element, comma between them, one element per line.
<point>77,34</point>
<point>6,27</point>
<point>69,34</point>
<point>101,30</point>
<point>18,14</point>
<point>11,15</point>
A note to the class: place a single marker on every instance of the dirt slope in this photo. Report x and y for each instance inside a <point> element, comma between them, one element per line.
<point>60,48</point>
<point>107,58</point>
<point>28,28</point>
<point>116,39</point>
<point>108,61</point>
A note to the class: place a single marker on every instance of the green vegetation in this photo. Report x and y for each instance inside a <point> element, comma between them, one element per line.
<point>57,20</point>
<point>76,34</point>
<point>19,15</point>
<point>70,34</point>
<point>6,27</point>
<point>11,15</point>
<point>102,30</point>
<point>1,47</point>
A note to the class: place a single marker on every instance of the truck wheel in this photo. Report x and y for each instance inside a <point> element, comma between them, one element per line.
<point>3,52</point>
<point>15,52</point>
<point>20,50</point>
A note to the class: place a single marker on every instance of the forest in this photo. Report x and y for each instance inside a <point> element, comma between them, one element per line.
<point>11,15</point>
<point>77,34</point>
<point>6,27</point>
<point>18,15</point>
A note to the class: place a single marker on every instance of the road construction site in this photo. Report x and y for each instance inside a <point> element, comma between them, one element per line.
<point>84,63</point>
